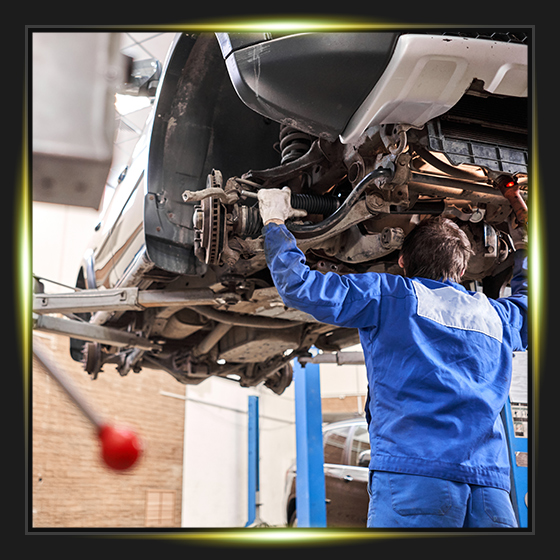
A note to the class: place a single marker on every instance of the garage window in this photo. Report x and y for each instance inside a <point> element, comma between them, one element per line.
<point>160,508</point>
<point>335,442</point>
<point>360,450</point>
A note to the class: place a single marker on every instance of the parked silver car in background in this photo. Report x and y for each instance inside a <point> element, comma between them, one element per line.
<point>346,458</point>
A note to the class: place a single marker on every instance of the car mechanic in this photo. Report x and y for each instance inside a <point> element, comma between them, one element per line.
<point>439,367</point>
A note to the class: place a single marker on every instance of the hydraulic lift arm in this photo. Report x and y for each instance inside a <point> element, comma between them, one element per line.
<point>117,299</point>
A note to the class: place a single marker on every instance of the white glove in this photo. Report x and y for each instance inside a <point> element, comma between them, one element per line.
<point>518,233</point>
<point>274,204</point>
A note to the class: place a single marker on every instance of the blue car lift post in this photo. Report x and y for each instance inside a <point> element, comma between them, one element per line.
<point>518,463</point>
<point>310,479</point>
<point>253,502</point>
<point>515,419</point>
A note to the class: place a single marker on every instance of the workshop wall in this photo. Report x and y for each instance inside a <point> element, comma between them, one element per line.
<point>194,469</point>
<point>215,489</point>
<point>343,390</point>
<point>71,486</point>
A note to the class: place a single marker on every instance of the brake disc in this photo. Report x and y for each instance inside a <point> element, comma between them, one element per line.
<point>210,223</point>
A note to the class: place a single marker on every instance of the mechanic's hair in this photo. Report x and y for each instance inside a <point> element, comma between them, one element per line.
<point>436,249</point>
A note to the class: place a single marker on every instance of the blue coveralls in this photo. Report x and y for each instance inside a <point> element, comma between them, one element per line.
<point>439,361</point>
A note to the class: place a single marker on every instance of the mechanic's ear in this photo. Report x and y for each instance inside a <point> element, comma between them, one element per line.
<point>401,264</point>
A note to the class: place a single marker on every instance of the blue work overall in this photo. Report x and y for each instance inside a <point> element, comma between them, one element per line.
<point>439,362</point>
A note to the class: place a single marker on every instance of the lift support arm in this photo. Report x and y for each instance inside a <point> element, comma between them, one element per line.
<point>116,299</point>
<point>339,358</point>
<point>119,299</point>
<point>92,333</point>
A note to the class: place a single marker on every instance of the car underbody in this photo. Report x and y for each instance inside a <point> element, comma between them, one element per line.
<point>203,230</point>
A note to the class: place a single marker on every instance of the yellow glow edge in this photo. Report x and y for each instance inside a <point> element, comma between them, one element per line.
<point>23,267</point>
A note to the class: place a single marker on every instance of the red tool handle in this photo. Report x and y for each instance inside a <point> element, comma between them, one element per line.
<point>510,189</point>
<point>120,446</point>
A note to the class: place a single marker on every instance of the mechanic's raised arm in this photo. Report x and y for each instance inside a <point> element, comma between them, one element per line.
<point>517,303</point>
<point>349,301</point>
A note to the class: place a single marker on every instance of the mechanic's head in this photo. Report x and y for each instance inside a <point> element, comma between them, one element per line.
<point>436,249</point>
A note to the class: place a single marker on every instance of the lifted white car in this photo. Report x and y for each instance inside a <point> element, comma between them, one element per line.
<point>371,131</point>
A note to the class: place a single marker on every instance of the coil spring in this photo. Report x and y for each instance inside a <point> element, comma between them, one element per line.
<point>293,143</point>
